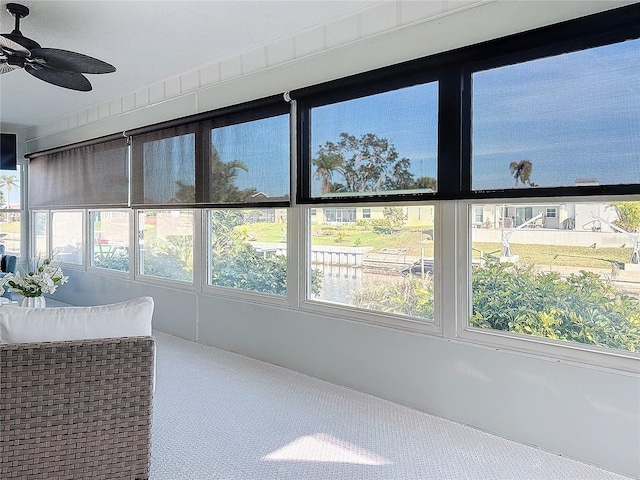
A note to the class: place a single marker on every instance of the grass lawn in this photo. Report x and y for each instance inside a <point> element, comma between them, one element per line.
<point>565,256</point>
<point>410,239</point>
<point>11,227</point>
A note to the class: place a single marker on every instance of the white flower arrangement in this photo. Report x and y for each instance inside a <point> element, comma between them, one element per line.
<point>44,278</point>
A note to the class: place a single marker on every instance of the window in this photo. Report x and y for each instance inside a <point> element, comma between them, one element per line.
<point>566,282</point>
<point>512,137</point>
<point>553,121</point>
<point>110,246</point>
<point>164,167</point>
<point>249,250</point>
<point>67,236</point>
<point>91,175</point>
<point>478,216</point>
<point>10,211</point>
<point>384,264</point>
<point>40,234</point>
<point>374,145</point>
<point>227,157</point>
<point>340,215</point>
<point>249,162</point>
<point>165,242</point>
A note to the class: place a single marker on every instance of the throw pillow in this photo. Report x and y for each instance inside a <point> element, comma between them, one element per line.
<point>125,319</point>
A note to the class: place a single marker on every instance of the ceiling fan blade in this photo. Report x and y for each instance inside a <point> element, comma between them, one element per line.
<point>7,67</point>
<point>61,78</point>
<point>7,43</point>
<point>70,61</point>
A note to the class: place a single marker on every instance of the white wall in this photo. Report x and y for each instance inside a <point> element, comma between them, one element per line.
<point>580,411</point>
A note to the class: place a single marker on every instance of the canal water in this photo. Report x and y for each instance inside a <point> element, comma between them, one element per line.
<point>339,281</point>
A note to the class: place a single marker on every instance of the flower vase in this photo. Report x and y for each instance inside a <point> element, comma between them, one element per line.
<point>34,302</point>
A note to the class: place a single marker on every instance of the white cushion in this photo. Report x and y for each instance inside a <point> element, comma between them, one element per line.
<point>26,325</point>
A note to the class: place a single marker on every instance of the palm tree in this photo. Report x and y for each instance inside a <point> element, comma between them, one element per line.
<point>522,171</point>
<point>8,181</point>
<point>325,166</point>
<point>222,180</point>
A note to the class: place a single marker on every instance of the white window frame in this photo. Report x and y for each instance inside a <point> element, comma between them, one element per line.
<point>236,293</point>
<point>107,271</point>
<point>189,286</point>
<point>32,233</point>
<point>550,349</point>
<point>84,254</point>
<point>359,315</point>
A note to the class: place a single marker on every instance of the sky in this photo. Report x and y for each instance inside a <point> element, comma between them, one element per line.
<point>573,116</point>
<point>263,146</point>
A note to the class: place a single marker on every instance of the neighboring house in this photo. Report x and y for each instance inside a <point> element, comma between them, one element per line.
<point>563,216</point>
<point>414,215</point>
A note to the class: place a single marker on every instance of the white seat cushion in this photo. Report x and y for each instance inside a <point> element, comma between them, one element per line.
<point>26,325</point>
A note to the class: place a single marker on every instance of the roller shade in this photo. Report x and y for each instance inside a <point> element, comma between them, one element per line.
<point>85,176</point>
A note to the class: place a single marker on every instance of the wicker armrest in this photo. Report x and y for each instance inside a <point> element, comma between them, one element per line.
<point>76,409</point>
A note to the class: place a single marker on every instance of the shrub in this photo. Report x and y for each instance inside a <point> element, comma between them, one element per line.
<point>518,298</point>
<point>247,269</point>
<point>115,260</point>
<point>406,296</point>
<point>579,308</point>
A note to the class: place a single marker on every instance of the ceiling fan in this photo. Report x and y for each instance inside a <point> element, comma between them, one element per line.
<point>58,67</point>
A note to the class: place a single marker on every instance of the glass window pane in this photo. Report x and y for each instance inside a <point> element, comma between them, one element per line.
<point>573,276</point>
<point>40,234</point>
<point>250,161</point>
<point>166,244</point>
<point>110,233</point>
<point>567,120</point>
<point>9,189</point>
<point>380,144</point>
<point>10,232</point>
<point>249,250</point>
<point>383,263</point>
<point>66,237</point>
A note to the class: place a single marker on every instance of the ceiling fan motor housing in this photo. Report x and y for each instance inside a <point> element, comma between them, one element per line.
<point>58,67</point>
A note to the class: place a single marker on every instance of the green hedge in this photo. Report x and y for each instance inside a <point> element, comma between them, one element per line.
<point>518,298</point>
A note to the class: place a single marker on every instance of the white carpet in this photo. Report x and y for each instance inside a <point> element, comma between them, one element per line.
<point>219,415</point>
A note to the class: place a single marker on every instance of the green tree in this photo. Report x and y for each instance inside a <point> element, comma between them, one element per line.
<point>236,264</point>
<point>365,164</point>
<point>222,180</point>
<point>226,239</point>
<point>521,171</point>
<point>9,182</point>
<point>186,193</point>
<point>628,215</point>
<point>393,220</point>
<point>424,183</point>
<point>326,165</point>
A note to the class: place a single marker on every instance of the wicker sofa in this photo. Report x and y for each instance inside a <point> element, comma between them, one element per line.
<point>76,409</point>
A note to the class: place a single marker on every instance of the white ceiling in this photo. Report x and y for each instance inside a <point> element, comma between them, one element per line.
<point>147,41</point>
